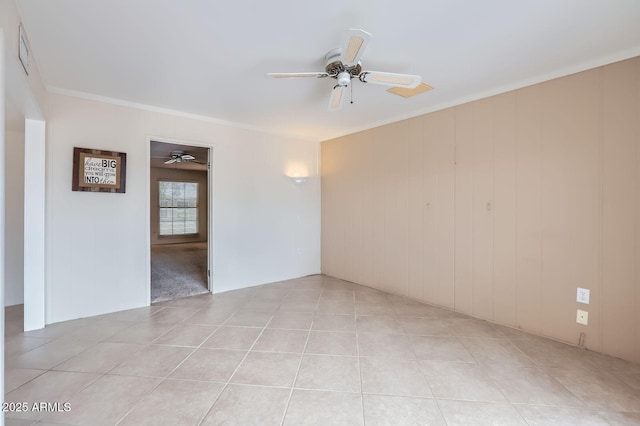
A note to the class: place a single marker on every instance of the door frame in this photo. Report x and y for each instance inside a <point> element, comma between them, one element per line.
<point>36,228</point>
<point>210,208</point>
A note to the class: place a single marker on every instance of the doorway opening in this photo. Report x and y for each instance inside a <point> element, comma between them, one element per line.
<point>179,219</point>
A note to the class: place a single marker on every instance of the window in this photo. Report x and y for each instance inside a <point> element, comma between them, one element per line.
<point>178,208</point>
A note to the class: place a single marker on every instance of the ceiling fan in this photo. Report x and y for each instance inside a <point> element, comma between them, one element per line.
<point>179,157</point>
<point>344,64</point>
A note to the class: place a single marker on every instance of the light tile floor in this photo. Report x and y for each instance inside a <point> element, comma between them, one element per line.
<point>310,351</point>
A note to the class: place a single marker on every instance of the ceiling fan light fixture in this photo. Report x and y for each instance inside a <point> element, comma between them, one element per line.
<point>344,78</point>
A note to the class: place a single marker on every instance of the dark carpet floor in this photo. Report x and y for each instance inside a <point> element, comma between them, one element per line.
<point>178,270</point>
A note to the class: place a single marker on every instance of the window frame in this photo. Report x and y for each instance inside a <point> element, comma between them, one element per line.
<point>197,209</point>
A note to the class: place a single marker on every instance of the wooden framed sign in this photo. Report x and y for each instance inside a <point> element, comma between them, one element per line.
<point>96,170</point>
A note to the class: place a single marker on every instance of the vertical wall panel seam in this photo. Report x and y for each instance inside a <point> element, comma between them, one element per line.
<point>437,144</point>
<point>421,192</point>
<point>514,237</point>
<point>417,133</point>
<point>455,207</point>
<point>493,208</point>
<point>408,214</point>
<point>360,222</point>
<point>365,201</point>
<point>436,196</point>
<point>390,204</point>
<point>383,230</point>
<point>473,180</point>
<point>408,211</point>
<point>601,212</point>
<point>438,223</point>
<point>540,282</point>
<point>366,261</point>
<point>371,200</point>
<point>472,175</point>
<point>515,213</point>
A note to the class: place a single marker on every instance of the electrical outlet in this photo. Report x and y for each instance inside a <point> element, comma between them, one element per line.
<point>582,317</point>
<point>583,295</point>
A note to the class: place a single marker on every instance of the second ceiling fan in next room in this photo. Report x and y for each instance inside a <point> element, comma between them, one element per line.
<point>179,157</point>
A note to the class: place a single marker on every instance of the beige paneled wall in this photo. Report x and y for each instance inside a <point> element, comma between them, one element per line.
<point>620,209</point>
<point>501,208</point>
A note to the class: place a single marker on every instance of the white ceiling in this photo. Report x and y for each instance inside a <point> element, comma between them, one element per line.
<point>209,58</point>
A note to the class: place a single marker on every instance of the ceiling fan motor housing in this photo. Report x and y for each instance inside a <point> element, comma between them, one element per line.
<point>334,66</point>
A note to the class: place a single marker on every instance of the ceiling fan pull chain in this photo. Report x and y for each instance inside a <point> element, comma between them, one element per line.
<point>351,93</point>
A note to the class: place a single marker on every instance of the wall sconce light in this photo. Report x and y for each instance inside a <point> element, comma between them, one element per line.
<point>297,171</point>
<point>298,180</point>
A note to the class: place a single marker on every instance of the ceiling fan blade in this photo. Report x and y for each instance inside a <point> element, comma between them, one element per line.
<point>337,98</point>
<point>188,157</point>
<point>171,161</point>
<point>390,79</point>
<point>297,74</point>
<point>354,47</point>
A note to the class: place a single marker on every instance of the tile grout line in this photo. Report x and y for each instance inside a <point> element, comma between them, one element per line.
<point>162,380</point>
<point>358,358</point>
<point>100,375</point>
<point>433,395</point>
<point>293,384</point>
<point>306,343</point>
<point>491,379</point>
<point>236,369</point>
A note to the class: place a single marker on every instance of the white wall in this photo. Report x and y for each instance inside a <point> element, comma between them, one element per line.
<point>14,217</point>
<point>265,228</point>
